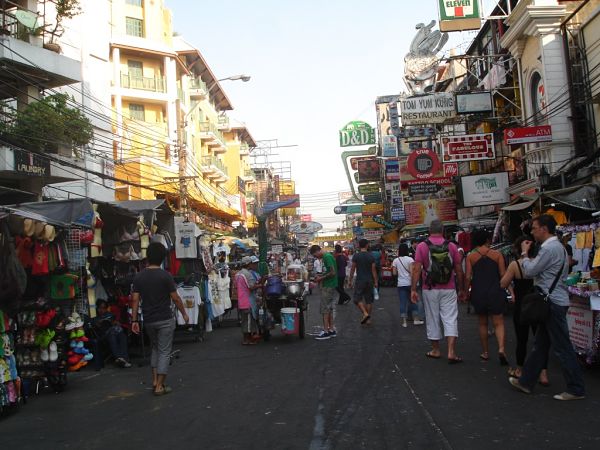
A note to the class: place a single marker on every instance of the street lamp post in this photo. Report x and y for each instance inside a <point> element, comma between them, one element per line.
<point>181,123</point>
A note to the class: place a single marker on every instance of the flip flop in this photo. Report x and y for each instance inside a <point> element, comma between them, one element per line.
<point>455,360</point>
<point>165,390</point>
<point>365,319</point>
<point>484,357</point>
<point>432,356</point>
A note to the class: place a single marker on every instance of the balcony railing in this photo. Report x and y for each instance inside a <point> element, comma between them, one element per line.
<point>156,84</point>
<point>244,149</point>
<point>210,131</point>
<point>223,123</point>
<point>197,88</point>
<point>216,165</point>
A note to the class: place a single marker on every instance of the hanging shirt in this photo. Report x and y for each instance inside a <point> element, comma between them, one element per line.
<point>190,296</point>
<point>185,239</point>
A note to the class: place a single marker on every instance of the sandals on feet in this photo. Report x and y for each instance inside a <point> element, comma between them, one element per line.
<point>484,356</point>
<point>164,391</point>
<point>432,355</point>
<point>365,319</point>
<point>514,372</point>
<point>455,360</point>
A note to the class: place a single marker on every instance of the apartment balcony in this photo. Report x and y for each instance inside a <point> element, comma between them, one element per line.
<point>214,168</point>
<point>248,176</point>
<point>213,137</point>
<point>198,89</point>
<point>223,123</point>
<point>244,149</point>
<point>151,84</point>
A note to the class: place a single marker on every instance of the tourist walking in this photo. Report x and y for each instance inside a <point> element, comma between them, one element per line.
<point>437,263</point>
<point>156,290</point>
<point>328,280</point>
<point>363,264</point>
<point>521,287</point>
<point>341,261</point>
<point>246,284</point>
<point>550,264</point>
<point>402,267</point>
<point>485,267</point>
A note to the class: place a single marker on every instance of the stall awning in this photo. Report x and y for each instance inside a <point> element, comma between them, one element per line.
<point>519,206</point>
<point>586,197</point>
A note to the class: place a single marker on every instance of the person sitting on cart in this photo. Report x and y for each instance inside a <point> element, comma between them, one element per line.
<point>246,285</point>
<point>107,330</point>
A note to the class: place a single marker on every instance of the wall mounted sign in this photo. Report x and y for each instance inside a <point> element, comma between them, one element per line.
<point>427,109</point>
<point>423,163</point>
<point>474,102</point>
<point>527,135</point>
<point>368,170</point>
<point>392,170</point>
<point>428,187</point>
<point>368,189</point>
<point>373,198</point>
<point>389,146</point>
<point>459,15</point>
<point>488,189</point>
<point>421,213</point>
<point>468,147</point>
<point>450,169</point>
<point>357,133</point>
<point>348,209</point>
<point>374,209</point>
<point>31,164</point>
<point>397,213</point>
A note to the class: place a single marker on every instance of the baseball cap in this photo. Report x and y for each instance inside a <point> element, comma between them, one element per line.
<point>254,259</point>
<point>246,260</point>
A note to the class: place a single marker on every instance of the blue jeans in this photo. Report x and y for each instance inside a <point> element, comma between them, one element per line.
<point>407,306</point>
<point>554,333</point>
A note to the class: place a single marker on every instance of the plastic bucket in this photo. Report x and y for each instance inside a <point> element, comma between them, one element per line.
<point>290,320</point>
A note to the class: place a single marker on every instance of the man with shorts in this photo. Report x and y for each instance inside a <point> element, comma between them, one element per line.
<point>363,264</point>
<point>329,281</point>
<point>439,298</point>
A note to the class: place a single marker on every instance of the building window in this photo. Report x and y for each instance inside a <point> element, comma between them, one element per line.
<point>134,27</point>
<point>135,69</point>
<point>137,111</point>
<point>134,2</point>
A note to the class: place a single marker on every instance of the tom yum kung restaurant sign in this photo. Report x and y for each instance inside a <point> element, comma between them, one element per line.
<point>427,109</point>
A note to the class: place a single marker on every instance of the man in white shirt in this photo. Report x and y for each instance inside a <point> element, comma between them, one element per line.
<point>402,267</point>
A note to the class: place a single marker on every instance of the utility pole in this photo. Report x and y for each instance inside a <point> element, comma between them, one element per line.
<point>182,155</point>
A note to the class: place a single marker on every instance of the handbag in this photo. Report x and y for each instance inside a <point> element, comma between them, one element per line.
<point>535,306</point>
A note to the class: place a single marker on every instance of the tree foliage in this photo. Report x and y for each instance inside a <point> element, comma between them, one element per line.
<point>49,123</point>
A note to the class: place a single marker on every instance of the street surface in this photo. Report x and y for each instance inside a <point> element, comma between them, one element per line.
<point>369,388</point>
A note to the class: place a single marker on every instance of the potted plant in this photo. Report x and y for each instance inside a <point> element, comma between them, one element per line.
<point>65,9</point>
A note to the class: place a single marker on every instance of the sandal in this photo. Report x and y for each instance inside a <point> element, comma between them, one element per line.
<point>455,360</point>
<point>432,355</point>
<point>514,372</point>
<point>365,319</point>
<point>484,356</point>
<point>164,391</point>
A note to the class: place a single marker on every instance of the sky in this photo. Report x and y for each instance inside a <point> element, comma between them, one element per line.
<point>315,66</point>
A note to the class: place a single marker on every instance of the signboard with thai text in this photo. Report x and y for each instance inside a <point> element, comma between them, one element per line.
<point>468,147</point>
<point>528,135</point>
<point>427,109</point>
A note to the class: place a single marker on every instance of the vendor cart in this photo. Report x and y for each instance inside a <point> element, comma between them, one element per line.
<point>284,302</point>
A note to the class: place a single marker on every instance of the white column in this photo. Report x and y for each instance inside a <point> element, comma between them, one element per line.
<point>116,61</point>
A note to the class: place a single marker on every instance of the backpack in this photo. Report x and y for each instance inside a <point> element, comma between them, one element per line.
<point>440,264</point>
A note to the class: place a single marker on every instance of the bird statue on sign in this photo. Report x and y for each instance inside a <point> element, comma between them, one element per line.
<point>421,63</point>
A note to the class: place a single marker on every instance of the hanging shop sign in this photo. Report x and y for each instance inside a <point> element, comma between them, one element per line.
<point>392,170</point>
<point>389,146</point>
<point>421,213</point>
<point>450,169</point>
<point>357,133</point>
<point>427,109</point>
<point>393,194</point>
<point>31,164</point>
<point>374,209</point>
<point>373,235</point>
<point>459,15</point>
<point>527,135</point>
<point>348,209</point>
<point>368,189</point>
<point>488,189</point>
<point>304,227</point>
<point>473,103</point>
<point>427,187</point>
<point>368,170</point>
<point>397,213</point>
<point>369,224</point>
<point>373,198</point>
<point>423,163</point>
<point>468,147</point>
<point>380,220</point>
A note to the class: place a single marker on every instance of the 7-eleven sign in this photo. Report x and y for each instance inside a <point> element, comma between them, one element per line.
<point>459,9</point>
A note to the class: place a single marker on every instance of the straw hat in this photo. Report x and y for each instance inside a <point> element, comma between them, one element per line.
<point>28,227</point>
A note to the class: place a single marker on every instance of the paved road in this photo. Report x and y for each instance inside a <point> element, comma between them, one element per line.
<point>370,388</point>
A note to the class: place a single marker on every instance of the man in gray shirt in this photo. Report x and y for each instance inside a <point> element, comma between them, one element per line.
<point>551,260</point>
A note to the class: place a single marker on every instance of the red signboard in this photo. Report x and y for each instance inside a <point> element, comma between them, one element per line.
<point>527,135</point>
<point>423,163</point>
<point>468,147</point>
<point>451,169</point>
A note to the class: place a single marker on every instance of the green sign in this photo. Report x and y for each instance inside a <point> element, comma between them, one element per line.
<point>459,9</point>
<point>348,209</point>
<point>383,222</point>
<point>367,189</point>
<point>357,133</point>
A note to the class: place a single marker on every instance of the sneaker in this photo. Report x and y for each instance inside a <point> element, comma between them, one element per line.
<point>565,396</point>
<point>404,324</point>
<point>515,382</point>
<point>418,322</point>
<point>333,333</point>
<point>323,335</point>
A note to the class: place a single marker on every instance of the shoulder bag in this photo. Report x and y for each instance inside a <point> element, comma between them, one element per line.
<point>535,306</point>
